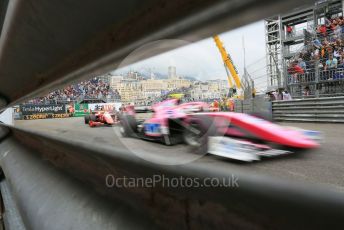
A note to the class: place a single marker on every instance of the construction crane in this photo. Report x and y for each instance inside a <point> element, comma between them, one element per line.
<point>229,65</point>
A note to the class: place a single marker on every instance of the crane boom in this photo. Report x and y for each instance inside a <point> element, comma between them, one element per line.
<point>228,63</point>
<point>229,77</point>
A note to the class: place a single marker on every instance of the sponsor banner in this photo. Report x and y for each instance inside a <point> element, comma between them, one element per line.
<point>105,106</point>
<point>81,110</point>
<point>45,116</point>
<point>42,109</point>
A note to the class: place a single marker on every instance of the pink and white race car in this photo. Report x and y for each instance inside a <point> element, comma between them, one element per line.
<point>227,134</point>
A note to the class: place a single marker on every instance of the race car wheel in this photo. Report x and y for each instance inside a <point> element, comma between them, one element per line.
<point>122,130</point>
<point>93,117</point>
<point>197,132</point>
<point>128,126</point>
<point>169,140</point>
<point>87,118</point>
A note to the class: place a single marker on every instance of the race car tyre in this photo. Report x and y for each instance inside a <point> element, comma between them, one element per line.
<point>128,125</point>
<point>197,132</point>
<point>87,119</point>
<point>93,117</point>
<point>169,140</point>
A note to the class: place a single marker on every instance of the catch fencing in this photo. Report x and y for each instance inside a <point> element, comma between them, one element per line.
<point>257,106</point>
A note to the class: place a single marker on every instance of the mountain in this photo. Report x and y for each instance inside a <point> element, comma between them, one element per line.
<point>190,78</point>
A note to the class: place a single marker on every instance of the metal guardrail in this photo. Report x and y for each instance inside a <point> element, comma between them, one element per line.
<point>337,74</point>
<point>71,204</point>
<point>329,109</point>
<point>322,83</point>
<point>307,77</point>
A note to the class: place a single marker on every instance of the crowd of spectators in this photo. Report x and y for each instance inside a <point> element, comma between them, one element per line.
<point>278,95</point>
<point>326,50</point>
<point>94,88</point>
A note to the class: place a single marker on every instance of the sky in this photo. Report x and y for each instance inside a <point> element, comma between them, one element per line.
<point>202,59</point>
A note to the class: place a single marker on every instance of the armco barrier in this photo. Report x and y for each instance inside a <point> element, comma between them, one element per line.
<point>329,109</point>
<point>258,106</point>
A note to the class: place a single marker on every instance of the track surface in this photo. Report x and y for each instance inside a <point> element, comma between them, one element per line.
<point>323,166</point>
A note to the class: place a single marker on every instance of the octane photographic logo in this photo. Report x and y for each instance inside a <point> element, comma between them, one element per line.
<point>161,180</point>
<point>190,141</point>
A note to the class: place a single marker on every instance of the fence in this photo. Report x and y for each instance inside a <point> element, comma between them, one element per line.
<point>307,77</point>
<point>329,109</point>
<point>321,83</point>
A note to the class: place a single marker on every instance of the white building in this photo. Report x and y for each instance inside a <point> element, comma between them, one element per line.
<point>172,72</point>
<point>209,90</point>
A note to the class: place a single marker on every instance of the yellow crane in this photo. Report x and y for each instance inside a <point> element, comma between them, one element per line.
<point>229,66</point>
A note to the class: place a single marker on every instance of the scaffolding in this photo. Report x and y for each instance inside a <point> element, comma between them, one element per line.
<point>273,50</point>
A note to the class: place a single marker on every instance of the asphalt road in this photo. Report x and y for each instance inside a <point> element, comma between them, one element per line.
<point>323,166</point>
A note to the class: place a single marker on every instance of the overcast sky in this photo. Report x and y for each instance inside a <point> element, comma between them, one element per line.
<point>202,60</point>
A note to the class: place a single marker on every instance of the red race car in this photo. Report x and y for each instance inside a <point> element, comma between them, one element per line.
<point>227,134</point>
<point>99,118</point>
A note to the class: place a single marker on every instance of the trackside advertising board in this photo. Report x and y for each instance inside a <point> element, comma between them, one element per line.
<point>42,109</point>
<point>81,110</point>
<point>105,106</point>
<point>30,112</point>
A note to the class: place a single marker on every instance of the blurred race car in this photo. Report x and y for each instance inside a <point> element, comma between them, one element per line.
<point>227,134</point>
<point>98,118</point>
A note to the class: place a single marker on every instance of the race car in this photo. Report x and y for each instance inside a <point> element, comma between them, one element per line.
<point>98,118</point>
<point>227,134</point>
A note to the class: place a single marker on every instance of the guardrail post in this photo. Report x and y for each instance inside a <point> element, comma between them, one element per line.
<point>253,105</point>
<point>316,78</point>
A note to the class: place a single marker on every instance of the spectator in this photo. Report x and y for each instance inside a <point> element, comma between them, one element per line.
<point>279,94</point>
<point>317,43</point>
<point>315,55</point>
<point>338,31</point>
<point>321,66</point>
<point>295,70</point>
<point>322,30</point>
<point>286,96</point>
<point>302,64</point>
<point>271,96</point>
<point>306,91</point>
<point>298,69</point>
<point>216,105</point>
<point>336,53</point>
<point>331,63</point>
<point>341,60</point>
<point>289,30</point>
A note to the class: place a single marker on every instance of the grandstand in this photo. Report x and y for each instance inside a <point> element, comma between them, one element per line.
<point>97,88</point>
<point>305,50</point>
